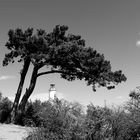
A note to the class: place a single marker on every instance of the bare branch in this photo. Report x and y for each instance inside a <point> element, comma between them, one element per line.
<point>54,71</point>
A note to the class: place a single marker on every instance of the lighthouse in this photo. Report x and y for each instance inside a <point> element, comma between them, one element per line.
<point>52,92</point>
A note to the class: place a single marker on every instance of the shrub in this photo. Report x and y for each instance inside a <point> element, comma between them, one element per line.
<point>31,116</point>
<point>5,108</point>
<point>59,120</point>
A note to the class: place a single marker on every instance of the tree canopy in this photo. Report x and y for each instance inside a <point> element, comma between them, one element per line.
<point>62,53</point>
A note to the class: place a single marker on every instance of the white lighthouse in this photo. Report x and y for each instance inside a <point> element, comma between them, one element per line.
<point>52,92</point>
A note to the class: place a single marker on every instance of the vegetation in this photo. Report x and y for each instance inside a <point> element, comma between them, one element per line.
<point>5,109</point>
<point>62,53</point>
<point>63,120</point>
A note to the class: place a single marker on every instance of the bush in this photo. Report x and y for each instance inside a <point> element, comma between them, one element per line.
<point>5,108</point>
<point>31,116</point>
<point>59,120</point>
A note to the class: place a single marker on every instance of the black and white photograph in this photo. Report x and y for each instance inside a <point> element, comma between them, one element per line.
<point>69,70</point>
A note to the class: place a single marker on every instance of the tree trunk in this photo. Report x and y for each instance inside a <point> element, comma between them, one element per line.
<point>19,90</point>
<point>28,92</point>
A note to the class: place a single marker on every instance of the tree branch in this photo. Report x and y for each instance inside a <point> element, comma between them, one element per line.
<point>54,71</point>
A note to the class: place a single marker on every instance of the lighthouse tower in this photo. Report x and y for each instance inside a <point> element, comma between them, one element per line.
<point>52,92</point>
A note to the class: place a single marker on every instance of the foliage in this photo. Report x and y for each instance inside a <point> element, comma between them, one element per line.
<point>133,111</point>
<point>96,122</point>
<point>59,121</point>
<point>5,108</point>
<point>31,116</point>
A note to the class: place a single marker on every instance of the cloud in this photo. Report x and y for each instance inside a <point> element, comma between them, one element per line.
<point>45,96</point>
<point>138,43</point>
<point>11,98</point>
<point>119,97</point>
<point>59,95</point>
<point>40,96</point>
<point>6,77</point>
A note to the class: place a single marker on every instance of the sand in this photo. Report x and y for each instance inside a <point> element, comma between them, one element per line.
<point>13,132</point>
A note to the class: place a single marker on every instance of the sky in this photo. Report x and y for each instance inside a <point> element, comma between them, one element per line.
<point>112,27</point>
